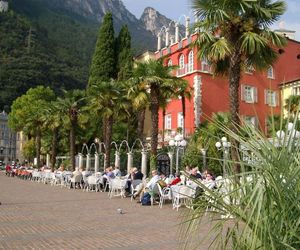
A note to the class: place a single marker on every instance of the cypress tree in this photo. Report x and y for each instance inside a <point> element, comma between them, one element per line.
<point>124,54</point>
<point>103,62</point>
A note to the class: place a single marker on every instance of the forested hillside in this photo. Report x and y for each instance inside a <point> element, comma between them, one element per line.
<point>48,43</point>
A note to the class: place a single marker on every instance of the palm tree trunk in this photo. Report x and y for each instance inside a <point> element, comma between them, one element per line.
<point>163,126</point>
<point>108,136</point>
<point>141,121</point>
<point>54,148</point>
<point>183,114</point>
<point>154,102</point>
<point>72,145</point>
<point>38,147</point>
<point>234,84</point>
<point>104,129</point>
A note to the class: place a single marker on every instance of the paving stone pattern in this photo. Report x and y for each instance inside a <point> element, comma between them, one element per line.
<point>38,216</point>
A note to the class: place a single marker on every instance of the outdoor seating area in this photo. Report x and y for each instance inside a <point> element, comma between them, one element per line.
<point>176,191</point>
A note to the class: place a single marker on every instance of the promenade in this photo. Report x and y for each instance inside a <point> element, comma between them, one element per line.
<point>38,216</point>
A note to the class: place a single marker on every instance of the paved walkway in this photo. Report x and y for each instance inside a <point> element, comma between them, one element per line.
<point>38,216</point>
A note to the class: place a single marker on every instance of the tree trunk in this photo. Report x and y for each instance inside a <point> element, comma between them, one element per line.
<point>72,145</point>
<point>108,136</point>
<point>234,84</point>
<point>154,102</point>
<point>38,147</point>
<point>54,148</point>
<point>104,129</point>
<point>183,114</point>
<point>141,121</point>
<point>163,126</point>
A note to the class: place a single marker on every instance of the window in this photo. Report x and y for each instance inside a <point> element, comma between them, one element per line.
<point>270,72</point>
<point>180,120</point>
<point>168,122</point>
<point>170,63</point>
<point>296,90</point>
<point>249,94</point>
<point>204,65</point>
<point>251,120</point>
<point>191,61</point>
<point>271,98</point>
<point>181,61</point>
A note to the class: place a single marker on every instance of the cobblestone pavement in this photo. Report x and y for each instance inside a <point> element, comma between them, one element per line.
<point>38,216</point>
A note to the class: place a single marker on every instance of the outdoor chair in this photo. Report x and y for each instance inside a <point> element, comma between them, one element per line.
<point>164,194</point>
<point>117,187</point>
<point>92,184</point>
<point>75,181</point>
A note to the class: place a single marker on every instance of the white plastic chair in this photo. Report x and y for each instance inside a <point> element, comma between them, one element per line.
<point>134,185</point>
<point>92,183</point>
<point>75,180</point>
<point>117,187</point>
<point>164,194</point>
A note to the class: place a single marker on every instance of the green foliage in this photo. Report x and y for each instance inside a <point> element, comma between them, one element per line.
<point>29,149</point>
<point>124,54</point>
<point>258,208</point>
<point>104,61</point>
<point>27,110</point>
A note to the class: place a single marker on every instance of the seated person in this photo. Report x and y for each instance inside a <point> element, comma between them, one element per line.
<point>108,174</point>
<point>195,174</point>
<point>149,186</point>
<point>117,172</point>
<point>137,174</point>
<point>176,181</point>
<point>209,181</point>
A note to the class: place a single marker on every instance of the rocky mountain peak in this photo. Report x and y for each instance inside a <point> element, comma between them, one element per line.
<point>154,21</point>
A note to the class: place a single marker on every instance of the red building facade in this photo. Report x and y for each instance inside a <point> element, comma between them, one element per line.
<point>259,91</point>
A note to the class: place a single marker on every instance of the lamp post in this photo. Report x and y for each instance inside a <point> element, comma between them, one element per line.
<point>97,141</point>
<point>224,145</point>
<point>178,143</point>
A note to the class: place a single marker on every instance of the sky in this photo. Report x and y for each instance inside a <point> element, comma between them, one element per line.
<point>173,9</point>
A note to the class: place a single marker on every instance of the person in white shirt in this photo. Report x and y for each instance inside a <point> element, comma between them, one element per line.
<point>149,186</point>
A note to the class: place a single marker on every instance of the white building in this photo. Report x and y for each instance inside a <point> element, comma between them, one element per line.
<point>3,6</point>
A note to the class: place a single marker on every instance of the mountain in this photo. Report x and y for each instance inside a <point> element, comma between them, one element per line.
<point>51,43</point>
<point>153,21</point>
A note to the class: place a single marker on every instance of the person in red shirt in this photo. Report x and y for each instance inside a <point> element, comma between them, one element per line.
<point>8,170</point>
<point>176,181</point>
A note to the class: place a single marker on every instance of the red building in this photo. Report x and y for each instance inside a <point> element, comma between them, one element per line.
<point>259,91</point>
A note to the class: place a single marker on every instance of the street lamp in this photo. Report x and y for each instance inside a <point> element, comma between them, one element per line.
<point>224,145</point>
<point>178,143</point>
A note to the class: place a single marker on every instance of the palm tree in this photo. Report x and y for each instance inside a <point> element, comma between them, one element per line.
<point>235,35</point>
<point>292,104</point>
<point>108,99</point>
<point>185,92</point>
<point>137,93</point>
<point>53,121</point>
<point>159,80</point>
<point>69,108</point>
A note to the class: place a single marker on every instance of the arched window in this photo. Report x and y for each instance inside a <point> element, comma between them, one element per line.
<point>170,62</point>
<point>191,61</point>
<point>181,61</point>
<point>270,73</point>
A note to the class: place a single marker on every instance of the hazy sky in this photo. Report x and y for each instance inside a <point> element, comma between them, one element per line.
<point>173,9</point>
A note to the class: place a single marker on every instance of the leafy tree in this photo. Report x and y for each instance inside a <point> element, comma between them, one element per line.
<point>104,61</point>
<point>27,112</point>
<point>124,54</point>
<point>235,35</point>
